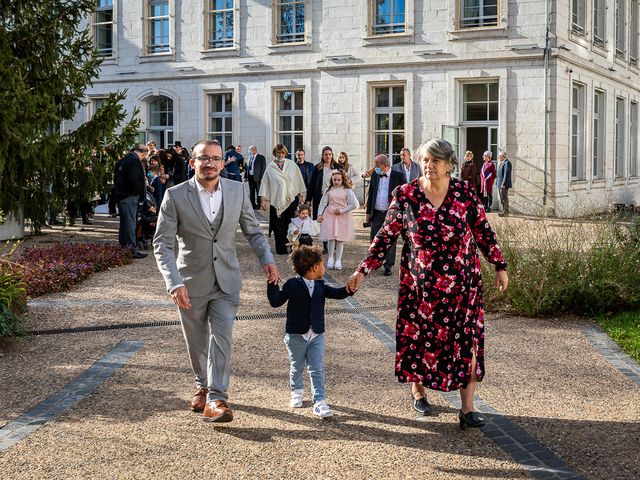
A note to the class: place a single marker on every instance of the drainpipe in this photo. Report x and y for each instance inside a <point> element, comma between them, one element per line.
<point>546,107</point>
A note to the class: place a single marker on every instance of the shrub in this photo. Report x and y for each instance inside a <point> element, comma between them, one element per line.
<point>55,268</point>
<point>568,267</point>
<point>12,299</point>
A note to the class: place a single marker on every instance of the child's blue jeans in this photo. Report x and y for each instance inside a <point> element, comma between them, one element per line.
<point>311,354</point>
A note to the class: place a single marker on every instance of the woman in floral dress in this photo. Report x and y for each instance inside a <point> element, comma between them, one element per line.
<point>440,322</point>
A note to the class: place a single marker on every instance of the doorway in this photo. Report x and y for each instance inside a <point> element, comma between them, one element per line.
<point>479,140</point>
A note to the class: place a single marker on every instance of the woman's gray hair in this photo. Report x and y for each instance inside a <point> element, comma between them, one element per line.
<point>488,153</point>
<point>438,148</point>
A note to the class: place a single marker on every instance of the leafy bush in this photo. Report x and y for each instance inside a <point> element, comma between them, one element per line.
<point>56,268</point>
<point>568,267</point>
<point>12,299</point>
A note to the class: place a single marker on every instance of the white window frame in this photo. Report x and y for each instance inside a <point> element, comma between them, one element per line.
<point>373,4</point>
<point>619,155</point>
<point>577,129</point>
<point>620,28</point>
<point>598,134</point>
<point>294,112</point>
<point>227,112</point>
<point>579,16</point>
<point>147,23</point>
<point>634,13</point>
<point>488,120</point>
<point>93,101</point>
<point>277,8</point>
<point>633,139</point>
<point>390,110</point>
<point>210,11</point>
<point>95,24</point>
<point>485,21</point>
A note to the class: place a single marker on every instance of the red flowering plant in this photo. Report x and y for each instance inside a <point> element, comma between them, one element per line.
<point>55,268</point>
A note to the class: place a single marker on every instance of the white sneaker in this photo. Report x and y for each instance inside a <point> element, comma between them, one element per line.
<point>330,264</point>
<point>322,410</point>
<point>296,398</point>
<point>337,265</point>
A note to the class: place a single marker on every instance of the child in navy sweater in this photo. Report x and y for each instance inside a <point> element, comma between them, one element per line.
<point>304,337</point>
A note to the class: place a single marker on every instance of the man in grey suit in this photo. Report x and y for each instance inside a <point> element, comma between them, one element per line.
<point>205,281</point>
<point>409,169</point>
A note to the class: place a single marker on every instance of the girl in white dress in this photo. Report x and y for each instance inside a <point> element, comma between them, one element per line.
<point>335,217</point>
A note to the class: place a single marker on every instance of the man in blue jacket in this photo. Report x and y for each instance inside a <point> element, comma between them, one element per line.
<point>503,181</point>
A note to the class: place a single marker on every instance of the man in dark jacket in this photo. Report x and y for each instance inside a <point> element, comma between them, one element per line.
<point>253,173</point>
<point>129,190</point>
<point>233,164</point>
<point>383,181</point>
<point>503,181</point>
<point>306,168</point>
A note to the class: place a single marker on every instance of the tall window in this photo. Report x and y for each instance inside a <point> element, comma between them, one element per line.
<point>578,16</point>
<point>389,16</point>
<point>577,132</point>
<point>289,120</point>
<point>619,146</point>
<point>103,28</point>
<point>389,121</point>
<point>160,127</point>
<point>599,12</point>
<point>480,102</point>
<point>96,103</point>
<point>478,13</point>
<point>599,122</point>
<point>633,139</point>
<point>220,24</point>
<point>633,33</point>
<point>158,26</point>
<point>220,125</point>
<point>620,28</point>
<point>290,25</point>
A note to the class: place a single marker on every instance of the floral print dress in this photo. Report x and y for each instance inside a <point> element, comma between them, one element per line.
<point>440,314</point>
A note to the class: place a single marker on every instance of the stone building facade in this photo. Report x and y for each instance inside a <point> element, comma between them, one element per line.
<point>364,76</point>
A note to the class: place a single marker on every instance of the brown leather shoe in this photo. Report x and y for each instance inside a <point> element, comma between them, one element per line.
<point>199,399</point>
<point>217,411</point>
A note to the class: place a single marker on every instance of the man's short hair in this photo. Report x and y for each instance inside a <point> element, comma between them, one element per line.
<point>252,147</point>
<point>405,149</point>
<point>140,147</point>
<point>300,150</point>
<point>305,258</point>
<point>382,159</point>
<point>205,143</point>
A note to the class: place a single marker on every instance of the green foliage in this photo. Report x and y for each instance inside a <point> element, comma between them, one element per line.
<point>47,64</point>
<point>568,267</point>
<point>12,299</point>
<point>624,329</point>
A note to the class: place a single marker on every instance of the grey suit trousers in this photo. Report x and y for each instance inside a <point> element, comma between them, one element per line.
<point>207,327</point>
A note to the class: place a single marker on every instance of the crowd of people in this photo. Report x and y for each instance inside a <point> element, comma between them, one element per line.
<point>441,219</point>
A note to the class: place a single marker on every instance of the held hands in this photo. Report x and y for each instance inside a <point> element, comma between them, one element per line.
<point>180,297</point>
<point>273,275</point>
<point>263,205</point>
<point>319,219</point>
<point>355,281</point>
<point>337,212</point>
<point>502,280</point>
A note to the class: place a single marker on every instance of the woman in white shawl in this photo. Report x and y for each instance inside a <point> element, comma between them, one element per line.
<point>283,188</point>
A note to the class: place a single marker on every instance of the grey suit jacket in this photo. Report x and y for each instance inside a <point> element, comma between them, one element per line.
<point>200,253</point>
<point>414,173</point>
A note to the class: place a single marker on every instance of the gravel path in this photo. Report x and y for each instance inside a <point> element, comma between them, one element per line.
<point>542,374</point>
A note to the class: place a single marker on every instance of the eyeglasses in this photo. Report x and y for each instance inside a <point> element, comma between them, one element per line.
<point>206,160</point>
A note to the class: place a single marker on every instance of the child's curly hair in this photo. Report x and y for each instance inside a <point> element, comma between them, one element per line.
<point>305,258</point>
<point>303,207</point>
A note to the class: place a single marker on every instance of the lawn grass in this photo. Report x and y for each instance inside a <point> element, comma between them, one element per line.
<point>624,329</point>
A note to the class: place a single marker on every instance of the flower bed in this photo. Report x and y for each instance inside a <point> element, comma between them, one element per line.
<point>56,268</point>
<point>39,270</point>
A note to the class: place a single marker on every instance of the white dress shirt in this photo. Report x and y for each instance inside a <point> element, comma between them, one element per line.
<point>210,201</point>
<point>382,195</point>
<point>310,335</point>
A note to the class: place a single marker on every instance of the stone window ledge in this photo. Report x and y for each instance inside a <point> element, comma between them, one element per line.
<point>391,39</point>
<point>478,32</point>
<point>220,52</point>
<point>157,57</point>
<point>277,48</point>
